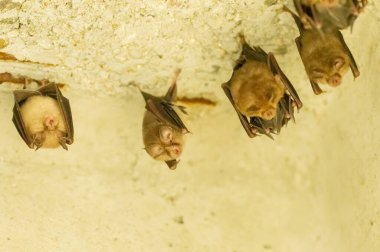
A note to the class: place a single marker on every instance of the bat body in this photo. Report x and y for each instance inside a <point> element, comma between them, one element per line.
<point>163,130</point>
<point>261,94</point>
<point>328,14</point>
<point>326,57</point>
<point>43,117</point>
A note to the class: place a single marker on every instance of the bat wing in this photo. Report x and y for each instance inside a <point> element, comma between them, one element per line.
<point>246,125</point>
<point>53,91</point>
<point>171,94</point>
<point>276,70</point>
<point>316,88</point>
<point>64,104</point>
<point>254,53</point>
<point>296,18</point>
<point>353,66</point>
<point>307,15</point>
<point>20,96</point>
<point>164,110</point>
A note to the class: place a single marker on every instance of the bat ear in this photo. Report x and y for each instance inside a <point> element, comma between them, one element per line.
<point>172,164</point>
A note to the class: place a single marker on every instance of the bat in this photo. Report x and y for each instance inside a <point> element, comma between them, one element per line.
<point>43,117</point>
<point>324,14</point>
<point>261,94</point>
<point>326,57</point>
<point>163,130</point>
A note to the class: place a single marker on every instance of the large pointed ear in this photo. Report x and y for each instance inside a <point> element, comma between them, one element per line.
<point>172,164</point>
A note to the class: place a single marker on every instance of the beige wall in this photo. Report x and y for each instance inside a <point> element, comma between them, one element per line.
<point>315,188</point>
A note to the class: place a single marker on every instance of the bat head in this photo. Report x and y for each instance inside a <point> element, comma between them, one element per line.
<point>164,143</point>
<point>255,91</point>
<point>329,70</point>
<point>262,102</point>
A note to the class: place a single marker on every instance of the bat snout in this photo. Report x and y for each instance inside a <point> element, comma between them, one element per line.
<point>175,150</point>
<point>335,80</point>
<point>51,122</point>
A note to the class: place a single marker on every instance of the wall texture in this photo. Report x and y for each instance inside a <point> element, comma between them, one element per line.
<point>316,188</point>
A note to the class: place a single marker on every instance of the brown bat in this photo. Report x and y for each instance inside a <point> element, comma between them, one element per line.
<point>326,58</point>
<point>261,94</point>
<point>163,129</point>
<point>43,117</point>
<point>324,14</point>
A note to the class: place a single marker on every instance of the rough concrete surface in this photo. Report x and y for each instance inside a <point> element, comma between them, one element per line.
<point>316,188</point>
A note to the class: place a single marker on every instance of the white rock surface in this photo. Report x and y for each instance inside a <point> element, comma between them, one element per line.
<point>316,188</point>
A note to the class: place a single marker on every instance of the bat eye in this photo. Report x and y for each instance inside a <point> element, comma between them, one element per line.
<point>166,134</point>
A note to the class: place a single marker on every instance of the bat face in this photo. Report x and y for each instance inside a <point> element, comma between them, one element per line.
<point>163,130</point>
<point>331,73</point>
<point>255,90</point>
<point>163,142</point>
<point>44,121</point>
<point>326,61</point>
<point>43,117</point>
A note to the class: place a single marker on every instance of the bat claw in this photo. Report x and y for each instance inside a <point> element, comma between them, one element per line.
<point>254,131</point>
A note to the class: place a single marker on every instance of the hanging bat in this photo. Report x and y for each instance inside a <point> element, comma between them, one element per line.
<point>163,129</point>
<point>326,58</point>
<point>43,117</point>
<point>261,94</point>
<point>325,14</point>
